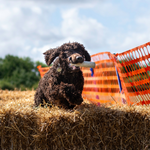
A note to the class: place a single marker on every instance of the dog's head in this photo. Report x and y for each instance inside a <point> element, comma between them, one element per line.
<point>72,52</point>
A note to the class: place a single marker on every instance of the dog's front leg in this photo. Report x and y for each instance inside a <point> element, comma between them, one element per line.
<point>39,97</point>
<point>69,92</point>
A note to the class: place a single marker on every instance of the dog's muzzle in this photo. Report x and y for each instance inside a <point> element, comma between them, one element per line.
<point>75,59</point>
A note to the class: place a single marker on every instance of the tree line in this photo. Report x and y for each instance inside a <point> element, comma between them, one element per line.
<point>20,73</point>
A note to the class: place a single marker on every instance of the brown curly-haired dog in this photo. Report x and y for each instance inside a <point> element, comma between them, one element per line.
<point>62,85</point>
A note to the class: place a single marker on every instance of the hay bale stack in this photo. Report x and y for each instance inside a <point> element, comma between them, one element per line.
<point>23,126</point>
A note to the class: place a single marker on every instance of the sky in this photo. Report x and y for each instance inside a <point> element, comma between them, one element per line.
<point>28,28</point>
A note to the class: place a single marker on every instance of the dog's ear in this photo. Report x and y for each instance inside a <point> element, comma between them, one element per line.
<point>87,56</point>
<point>50,55</point>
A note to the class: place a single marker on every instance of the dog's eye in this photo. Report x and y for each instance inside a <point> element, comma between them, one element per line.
<point>70,58</point>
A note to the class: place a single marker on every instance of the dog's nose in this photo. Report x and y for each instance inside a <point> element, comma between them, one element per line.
<point>79,59</point>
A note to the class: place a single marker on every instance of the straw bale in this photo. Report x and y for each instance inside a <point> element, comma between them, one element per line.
<point>23,126</point>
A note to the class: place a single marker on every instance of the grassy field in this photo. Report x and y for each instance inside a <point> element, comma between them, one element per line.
<point>23,126</point>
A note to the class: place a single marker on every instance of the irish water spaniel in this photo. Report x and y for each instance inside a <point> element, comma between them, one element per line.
<point>62,85</point>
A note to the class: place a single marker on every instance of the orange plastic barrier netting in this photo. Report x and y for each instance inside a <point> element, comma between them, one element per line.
<point>42,70</point>
<point>134,71</point>
<point>101,83</point>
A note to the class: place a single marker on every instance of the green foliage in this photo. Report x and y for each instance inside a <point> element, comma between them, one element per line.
<point>35,85</point>
<point>6,85</point>
<point>18,72</point>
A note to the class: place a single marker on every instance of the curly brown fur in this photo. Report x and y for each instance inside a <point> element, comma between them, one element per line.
<point>63,88</point>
